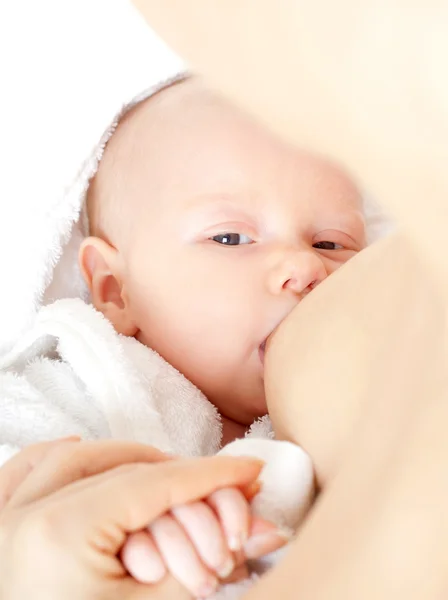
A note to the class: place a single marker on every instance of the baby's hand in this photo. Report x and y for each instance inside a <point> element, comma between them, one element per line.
<point>201,543</point>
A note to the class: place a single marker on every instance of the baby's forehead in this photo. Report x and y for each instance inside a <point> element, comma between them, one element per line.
<point>138,154</point>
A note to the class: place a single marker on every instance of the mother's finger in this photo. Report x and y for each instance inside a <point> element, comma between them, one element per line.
<point>66,463</point>
<point>129,498</point>
<point>18,468</point>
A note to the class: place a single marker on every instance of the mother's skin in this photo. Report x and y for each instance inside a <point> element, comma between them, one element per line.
<point>358,373</point>
<point>367,398</point>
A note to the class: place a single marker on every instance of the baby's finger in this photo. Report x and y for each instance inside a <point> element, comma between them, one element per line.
<point>141,558</point>
<point>204,530</point>
<point>239,574</point>
<point>264,538</point>
<point>233,511</point>
<point>180,557</point>
<point>251,490</point>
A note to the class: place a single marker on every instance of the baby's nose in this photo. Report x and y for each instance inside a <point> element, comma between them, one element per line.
<point>298,272</point>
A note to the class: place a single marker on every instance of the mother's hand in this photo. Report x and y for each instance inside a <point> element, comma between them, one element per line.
<point>67,508</point>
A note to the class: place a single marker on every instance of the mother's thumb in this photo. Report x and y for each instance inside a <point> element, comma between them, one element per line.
<point>128,499</point>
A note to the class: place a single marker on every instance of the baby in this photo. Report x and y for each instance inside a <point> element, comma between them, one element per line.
<point>205,231</point>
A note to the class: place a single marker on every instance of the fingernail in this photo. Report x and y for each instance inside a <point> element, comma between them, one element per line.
<point>265,543</point>
<point>236,542</point>
<point>252,489</point>
<point>227,568</point>
<point>208,588</point>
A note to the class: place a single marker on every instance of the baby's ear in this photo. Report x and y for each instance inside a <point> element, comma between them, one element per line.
<point>100,266</point>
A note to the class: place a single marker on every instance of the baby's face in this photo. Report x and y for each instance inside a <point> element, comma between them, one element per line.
<point>231,228</point>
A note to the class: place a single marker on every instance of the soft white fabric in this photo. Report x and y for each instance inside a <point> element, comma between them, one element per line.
<point>98,385</point>
<point>71,373</point>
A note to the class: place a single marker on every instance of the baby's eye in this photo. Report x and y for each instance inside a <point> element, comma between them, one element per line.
<point>327,246</point>
<point>232,239</point>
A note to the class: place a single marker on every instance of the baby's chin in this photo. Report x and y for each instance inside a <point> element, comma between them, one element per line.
<point>246,410</point>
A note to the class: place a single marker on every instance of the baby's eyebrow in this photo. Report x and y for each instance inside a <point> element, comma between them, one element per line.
<point>348,218</point>
<point>213,198</point>
<point>218,203</point>
<point>216,209</point>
